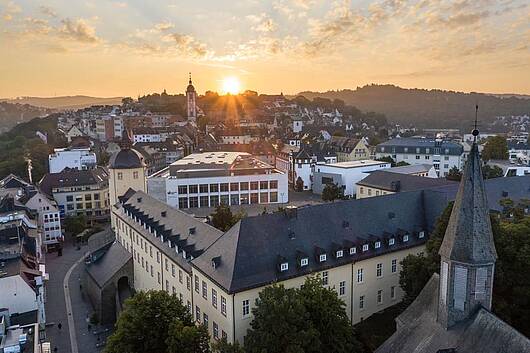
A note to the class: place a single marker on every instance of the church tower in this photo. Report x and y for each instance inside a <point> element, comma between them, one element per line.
<point>191,101</point>
<point>467,252</point>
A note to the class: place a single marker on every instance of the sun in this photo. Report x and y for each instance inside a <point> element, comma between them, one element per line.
<point>231,85</point>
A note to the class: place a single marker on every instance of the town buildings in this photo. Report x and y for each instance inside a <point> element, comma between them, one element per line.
<point>211,178</point>
<point>345,174</point>
<point>71,157</point>
<point>79,192</point>
<point>442,154</point>
<point>191,101</point>
<point>349,149</point>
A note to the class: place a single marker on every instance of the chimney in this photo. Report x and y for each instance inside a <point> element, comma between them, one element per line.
<point>291,211</point>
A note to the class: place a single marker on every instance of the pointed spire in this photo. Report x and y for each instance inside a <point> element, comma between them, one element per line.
<point>469,238</point>
<point>190,79</point>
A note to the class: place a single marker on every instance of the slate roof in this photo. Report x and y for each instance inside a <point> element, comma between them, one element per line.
<point>398,145</point>
<point>177,228</point>
<point>72,177</point>
<point>469,237</point>
<point>419,332</point>
<point>111,262</point>
<point>248,253</point>
<point>126,159</point>
<point>412,169</point>
<point>397,182</point>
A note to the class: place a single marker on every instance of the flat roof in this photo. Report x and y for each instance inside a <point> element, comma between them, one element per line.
<point>355,164</point>
<point>210,158</point>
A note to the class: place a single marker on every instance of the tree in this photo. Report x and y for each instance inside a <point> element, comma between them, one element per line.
<point>74,224</point>
<point>495,147</point>
<point>299,185</point>
<point>281,324</point>
<point>332,192</point>
<point>309,319</point>
<point>222,346</point>
<point>415,272</point>
<point>401,164</point>
<point>187,338</point>
<point>489,172</point>
<point>387,159</point>
<point>454,174</point>
<point>223,218</point>
<point>147,321</point>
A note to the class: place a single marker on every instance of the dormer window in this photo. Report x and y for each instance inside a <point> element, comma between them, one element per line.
<point>284,266</point>
<point>421,234</point>
<point>322,257</point>
<point>365,247</point>
<point>353,251</point>
<point>304,262</point>
<point>339,253</point>
<point>391,241</point>
<point>405,238</point>
<point>377,244</point>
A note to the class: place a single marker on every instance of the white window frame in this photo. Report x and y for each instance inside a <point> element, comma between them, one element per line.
<point>379,297</point>
<point>342,288</point>
<point>353,250</point>
<point>377,244</point>
<point>340,253</point>
<point>360,275</point>
<point>284,266</point>
<point>304,262</point>
<point>391,241</point>
<point>405,238</point>
<point>322,257</point>
<point>421,234</point>
<point>379,270</point>
<point>365,247</point>
<point>393,266</point>
<point>246,308</point>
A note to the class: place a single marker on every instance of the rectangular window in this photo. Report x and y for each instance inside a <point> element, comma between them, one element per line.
<point>152,272</point>
<point>205,319</point>
<point>322,257</point>
<point>325,278</point>
<point>246,308</point>
<point>197,283</point>
<point>405,238</point>
<point>214,201</point>
<point>365,247</point>
<point>120,176</point>
<point>360,275</point>
<point>214,298</point>
<point>353,250</point>
<point>304,262</point>
<point>361,302</point>
<point>379,270</point>
<point>180,276</point>
<point>215,330</point>
<point>459,288</point>
<point>157,256</point>
<point>193,189</point>
<point>203,188</point>
<point>284,267</point>
<point>264,197</point>
<point>173,270</point>
<point>234,186</point>
<point>234,199</point>
<point>481,276</point>
<point>224,335</point>
<point>214,187</point>
<point>244,186</point>
<point>183,202</point>
<point>377,244</point>
<point>253,185</point>
<point>158,277</point>
<point>188,283</point>
<point>197,313</point>
<point>339,253</point>
<point>69,198</point>
<point>135,175</point>
<point>167,285</point>
<point>225,199</point>
<point>223,305</point>
<point>393,292</point>
<point>203,201</point>
<point>273,197</point>
<point>183,189</point>
<point>204,290</point>
<point>166,264</point>
<point>391,241</point>
<point>273,184</point>
<point>194,202</point>
<point>224,187</point>
<point>342,288</point>
<point>263,185</point>
<point>394,266</point>
<point>253,198</point>
<point>379,296</point>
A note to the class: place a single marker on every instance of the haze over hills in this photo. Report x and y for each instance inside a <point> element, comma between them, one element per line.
<point>429,108</point>
<point>65,102</point>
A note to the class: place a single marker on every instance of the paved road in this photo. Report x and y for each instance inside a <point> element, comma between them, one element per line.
<point>57,309</point>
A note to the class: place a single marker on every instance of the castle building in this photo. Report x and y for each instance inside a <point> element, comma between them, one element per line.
<point>191,101</point>
<point>127,169</point>
<point>453,311</point>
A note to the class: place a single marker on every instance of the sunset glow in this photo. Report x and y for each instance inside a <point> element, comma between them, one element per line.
<point>231,85</point>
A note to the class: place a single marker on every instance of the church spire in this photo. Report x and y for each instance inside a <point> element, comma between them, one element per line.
<point>190,79</point>
<point>468,251</point>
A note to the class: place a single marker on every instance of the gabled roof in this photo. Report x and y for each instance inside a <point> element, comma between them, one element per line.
<point>469,237</point>
<point>419,332</point>
<point>72,177</point>
<point>109,264</point>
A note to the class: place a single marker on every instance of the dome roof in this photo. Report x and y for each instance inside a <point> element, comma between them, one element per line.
<point>126,159</point>
<point>190,88</point>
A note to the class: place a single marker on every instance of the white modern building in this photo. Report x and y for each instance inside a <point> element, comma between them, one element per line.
<point>73,158</point>
<point>442,154</point>
<point>49,217</point>
<point>344,174</point>
<point>211,178</point>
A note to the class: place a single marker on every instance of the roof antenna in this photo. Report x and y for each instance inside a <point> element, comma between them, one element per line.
<point>475,131</point>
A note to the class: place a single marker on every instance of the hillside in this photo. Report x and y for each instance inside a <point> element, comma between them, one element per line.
<point>12,114</point>
<point>65,102</point>
<point>428,108</point>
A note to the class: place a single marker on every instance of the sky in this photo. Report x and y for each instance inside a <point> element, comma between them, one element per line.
<point>128,48</point>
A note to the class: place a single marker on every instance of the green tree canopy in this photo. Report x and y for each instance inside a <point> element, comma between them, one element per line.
<point>187,338</point>
<point>454,174</point>
<point>489,172</point>
<point>332,192</point>
<point>310,319</point>
<point>223,218</point>
<point>147,322</point>
<point>495,147</point>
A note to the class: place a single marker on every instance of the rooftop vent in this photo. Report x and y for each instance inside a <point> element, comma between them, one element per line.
<point>163,213</point>
<point>216,261</point>
<point>192,230</point>
<point>139,199</point>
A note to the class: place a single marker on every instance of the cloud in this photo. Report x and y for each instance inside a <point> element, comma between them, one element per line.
<point>119,4</point>
<point>164,26</point>
<point>46,10</point>
<point>10,10</point>
<point>262,23</point>
<point>78,30</point>
<point>188,46</point>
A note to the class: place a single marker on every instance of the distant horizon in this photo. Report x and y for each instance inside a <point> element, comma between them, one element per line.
<point>266,93</point>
